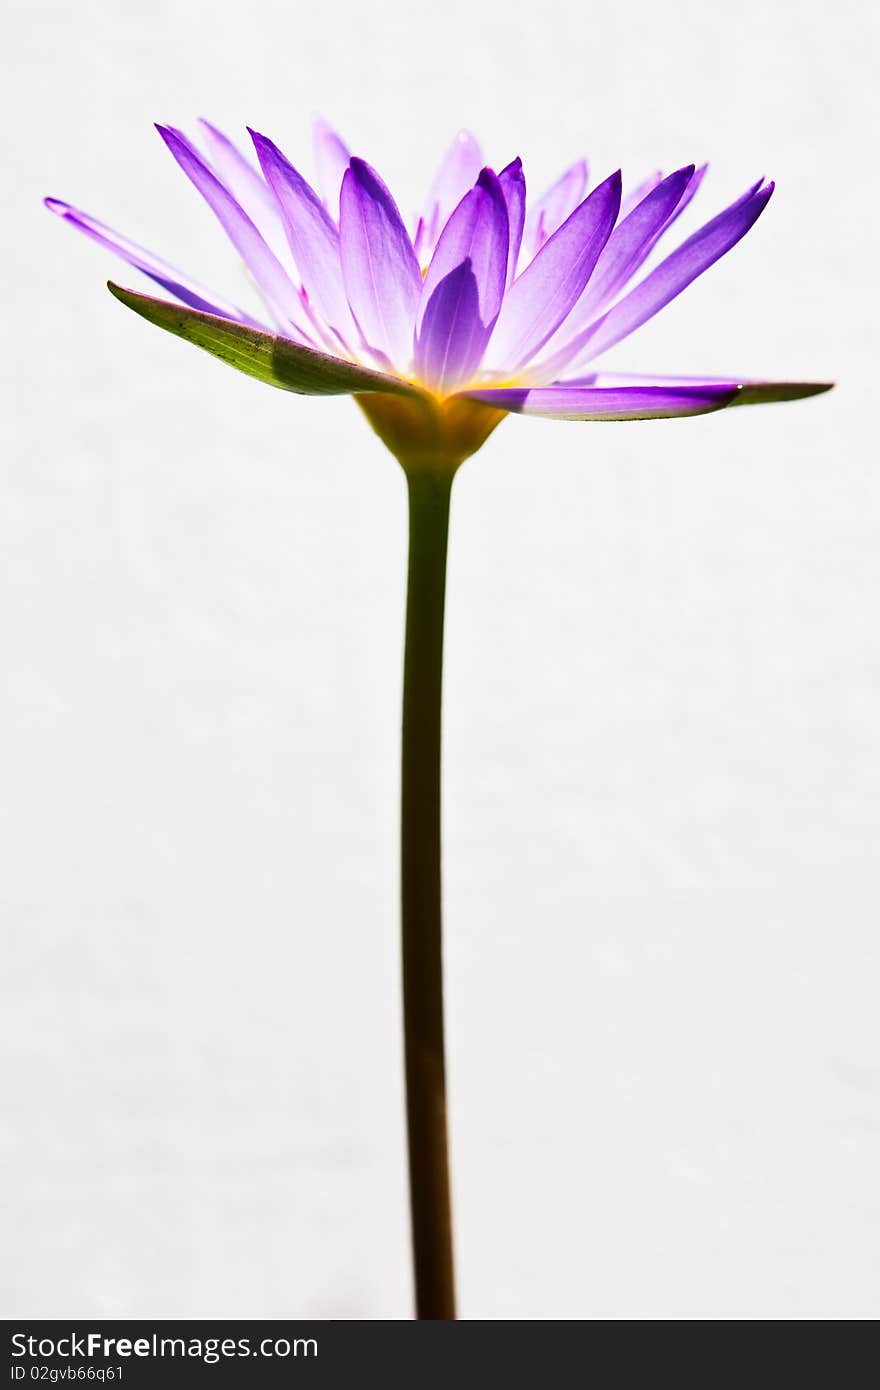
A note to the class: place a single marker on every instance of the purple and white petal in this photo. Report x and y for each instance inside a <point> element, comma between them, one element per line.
<point>464,287</point>
<point>278,290</point>
<point>689,193</point>
<point>513,186</point>
<point>544,294</point>
<point>649,402</point>
<point>749,390</point>
<point>382,278</point>
<point>331,161</point>
<point>187,290</point>
<point>458,172</point>
<point>664,283</point>
<point>247,187</point>
<point>313,238</point>
<point>627,248</point>
<point>478,230</point>
<point>633,196</point>
<point>693,187</point>
<point>550,210</point>
<point>622,396</point>
<point>452,338</point>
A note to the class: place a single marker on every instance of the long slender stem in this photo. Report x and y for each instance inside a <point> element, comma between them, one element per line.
<point>429,494</point>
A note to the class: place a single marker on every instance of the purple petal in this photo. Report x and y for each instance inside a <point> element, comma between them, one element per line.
<point>464,287</point>
<point>641,190</point>
<point>457,173</point>
<point>313,237</point>
<point>276,286</point>
<point>478,229</point>
<point>618,396</point>
<point>379,268</point>
<point>331,162</point>
<point>544,294</point>
<point>453,337</point>
<point>628,246</point>
<point>181,286</point>
<point>690,192</point>
<point>553,207</point>
<point>672,276</point>
<point>513,186</point>
<point>610,402</point>
<point>246,185</point>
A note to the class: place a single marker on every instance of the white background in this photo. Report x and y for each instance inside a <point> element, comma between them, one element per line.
<point>661,764</point>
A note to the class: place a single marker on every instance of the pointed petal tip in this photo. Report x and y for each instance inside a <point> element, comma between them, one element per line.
<point>267,150</point>
<point>775,392</point>
<point>613,185</point>
<point>57,206</point>
<point>170,134</point>
<point>487,179</point>
<point>121,293</point>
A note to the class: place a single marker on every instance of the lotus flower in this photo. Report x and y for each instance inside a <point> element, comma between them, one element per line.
<point>489,307</point>
<point>489,302</point>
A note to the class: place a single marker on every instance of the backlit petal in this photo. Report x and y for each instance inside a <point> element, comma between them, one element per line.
<point>188,291</point>
<point>331,161</point>
<point>544,294</point>
<point>464,287</point>
<point>280,293</point>
<point>379,268</point>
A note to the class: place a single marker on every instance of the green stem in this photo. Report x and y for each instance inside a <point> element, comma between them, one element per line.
<point>429,494</point>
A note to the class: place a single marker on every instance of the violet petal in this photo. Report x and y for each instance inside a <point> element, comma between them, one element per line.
<point>280,293</point>
<point>673,275</point>
<point>544,294</point>
<point>458,172</point>
<point>549,211</point>
<point>312,234</point>
<point>513,186</point>
<point>331,161</point>
<point>247,186</point>
<point>379,268</point>
<point>458,308</point>
<point>188,291</point>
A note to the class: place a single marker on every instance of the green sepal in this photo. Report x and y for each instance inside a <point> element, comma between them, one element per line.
<point>277,361</point>
<point>764,392</point>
